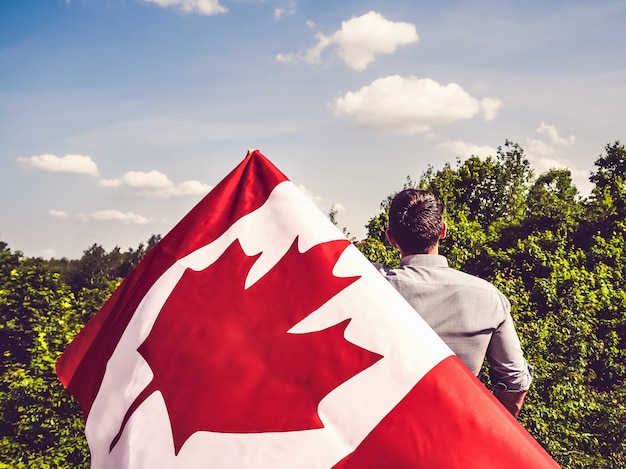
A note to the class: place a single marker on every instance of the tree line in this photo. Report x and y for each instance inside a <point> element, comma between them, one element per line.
<point>557,255</point>
<point>43,305</point>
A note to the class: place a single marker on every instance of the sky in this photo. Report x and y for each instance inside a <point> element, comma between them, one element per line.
<point>118,116</point>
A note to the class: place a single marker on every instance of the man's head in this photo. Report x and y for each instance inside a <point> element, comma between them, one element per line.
<point>416,222</point>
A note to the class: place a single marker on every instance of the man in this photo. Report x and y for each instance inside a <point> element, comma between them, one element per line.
<point>470,314</point>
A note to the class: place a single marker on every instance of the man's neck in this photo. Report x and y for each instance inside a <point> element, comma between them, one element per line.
<point>433,251</point>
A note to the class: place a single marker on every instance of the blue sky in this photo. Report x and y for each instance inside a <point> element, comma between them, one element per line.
<point>117,116</point>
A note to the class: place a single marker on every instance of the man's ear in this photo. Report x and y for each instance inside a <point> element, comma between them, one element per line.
<point>390,239</point>
<point>444,230</point>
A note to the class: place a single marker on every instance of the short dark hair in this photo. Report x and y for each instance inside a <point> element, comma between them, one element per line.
<point>415,220</point>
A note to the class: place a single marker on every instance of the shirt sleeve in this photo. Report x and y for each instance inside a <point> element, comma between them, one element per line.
<point>508,368</point>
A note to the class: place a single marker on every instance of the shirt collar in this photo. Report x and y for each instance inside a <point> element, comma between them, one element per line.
<point>425,260</point>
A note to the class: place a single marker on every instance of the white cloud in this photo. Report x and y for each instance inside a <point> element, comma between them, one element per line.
<point>175,190</point>
<point>542,158</point>
<point>467,150</point>
<point>316,199</point>
<point>410,105</point>
<point>286,58</point>
<point>72,164</point>
<point>490,108</point>
<point>150,180</point>
<point>58,213</point>
<point>156,184</point>
<point>550,130</point>
<point>191,188</point>
<point>289,10</point>
<point>359,41</point>
<point>109,183</point>
<point>203,7</point>
<point>540,147</point>
<point>126,218</point>
<point>545,154</point>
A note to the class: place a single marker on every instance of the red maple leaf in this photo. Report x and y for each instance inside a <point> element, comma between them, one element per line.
<point>221,354</point>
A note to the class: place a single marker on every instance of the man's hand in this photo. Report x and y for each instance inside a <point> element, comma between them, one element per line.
<point>511,400</point>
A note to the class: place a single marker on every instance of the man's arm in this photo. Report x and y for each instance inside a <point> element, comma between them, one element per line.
<point>511,400</point>
<point>510,374</point>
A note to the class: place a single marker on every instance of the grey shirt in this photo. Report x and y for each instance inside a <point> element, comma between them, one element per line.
<point>471,316</point>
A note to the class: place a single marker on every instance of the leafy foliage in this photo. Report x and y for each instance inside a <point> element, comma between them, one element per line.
<point>559,258</point>
<point>41,426</point>
<point>43,305</point>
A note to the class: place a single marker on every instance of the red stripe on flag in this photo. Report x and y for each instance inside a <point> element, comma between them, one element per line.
<point>448,421</point>
<point>83,363</point>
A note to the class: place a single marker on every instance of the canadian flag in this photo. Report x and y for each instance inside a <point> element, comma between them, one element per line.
<point>254,335</point>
